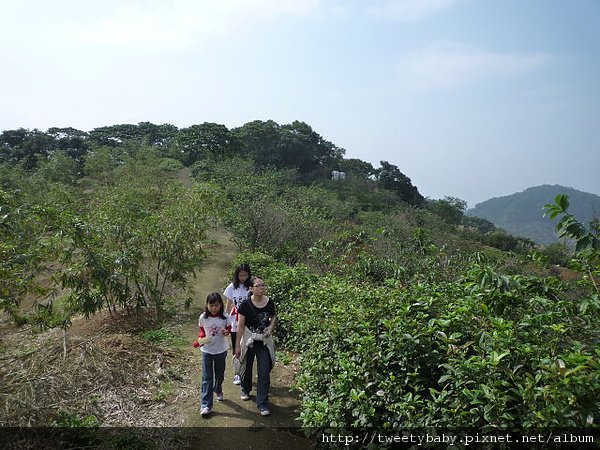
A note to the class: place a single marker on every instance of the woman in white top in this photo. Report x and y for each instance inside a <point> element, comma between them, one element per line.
<point>235,293</point>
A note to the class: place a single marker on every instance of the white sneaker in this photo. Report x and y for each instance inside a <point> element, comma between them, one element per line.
<point>237,380</point>
<point>205,411</point>
<point>244,396</point>
<point>220,397</point>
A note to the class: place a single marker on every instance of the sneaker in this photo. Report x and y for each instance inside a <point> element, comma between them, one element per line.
<point>205,411</point>
<point>245,396</point>
<point>237,380</point>
<point>264,411</point>
<point>220,396</point>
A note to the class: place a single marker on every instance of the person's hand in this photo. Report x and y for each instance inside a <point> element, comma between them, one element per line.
<point>201,341</point>
<point>226,332</point>
<point>268,330</point>
<point>238,351</point>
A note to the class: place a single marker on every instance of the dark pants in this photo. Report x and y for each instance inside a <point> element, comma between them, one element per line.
<point>233,336</point>
<point>263,364</point>
<point>213,372</point>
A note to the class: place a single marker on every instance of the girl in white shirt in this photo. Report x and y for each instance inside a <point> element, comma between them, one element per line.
<point>215,326</point>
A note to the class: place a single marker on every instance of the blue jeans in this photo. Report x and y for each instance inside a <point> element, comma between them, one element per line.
<point>263,365</point>
<point>213,372</point>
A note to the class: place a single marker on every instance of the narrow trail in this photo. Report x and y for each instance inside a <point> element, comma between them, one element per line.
<point>236,423</point>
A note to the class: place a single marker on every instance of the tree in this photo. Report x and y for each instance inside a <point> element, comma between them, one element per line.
<point>100,162</point>
<point>59,167</point>
<point>302,148</point>
<point>145,134</point>
<point>157,135</point>
<point>259,141</point>
<point>483,226</point>
<point>21,248</point>
<point>73,142</point>
<point>114,135</point>
<point>389,177</point>
<point>25,147</point>
<point>135,242</point>
<point>450,209</point>
<point>207,140</point>
<point>556,253</point>
<point>356,167</point>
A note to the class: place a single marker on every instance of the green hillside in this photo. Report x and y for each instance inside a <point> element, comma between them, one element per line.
<point>522,213</point>
<point>401,312</point>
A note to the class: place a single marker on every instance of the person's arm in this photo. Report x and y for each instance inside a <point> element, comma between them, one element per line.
<point>228,294</point>
<point>240,331</point>
<point>228,304</point>
<point>201,335</point>
<point>272,320</point>
<point>227,329</point>
<point>269,330</point>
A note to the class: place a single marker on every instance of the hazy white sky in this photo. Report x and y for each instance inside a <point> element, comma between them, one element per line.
<point>469,98</point>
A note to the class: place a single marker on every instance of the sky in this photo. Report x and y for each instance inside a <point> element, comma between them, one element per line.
<point>469,98</point>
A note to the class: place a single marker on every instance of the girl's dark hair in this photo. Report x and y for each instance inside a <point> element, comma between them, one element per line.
<point>236,281</point>
<point>214,297</point>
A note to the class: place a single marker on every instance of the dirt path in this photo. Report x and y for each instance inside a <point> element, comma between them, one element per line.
<point>236,423</point>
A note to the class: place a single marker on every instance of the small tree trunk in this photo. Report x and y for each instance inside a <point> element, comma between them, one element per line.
<point>65,343</point>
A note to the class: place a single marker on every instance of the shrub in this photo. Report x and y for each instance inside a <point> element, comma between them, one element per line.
<point>487,351</point>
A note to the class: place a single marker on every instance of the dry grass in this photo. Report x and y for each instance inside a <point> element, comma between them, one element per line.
<point>107,376</point>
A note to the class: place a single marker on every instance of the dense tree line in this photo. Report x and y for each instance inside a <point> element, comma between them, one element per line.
<point>67,151</point>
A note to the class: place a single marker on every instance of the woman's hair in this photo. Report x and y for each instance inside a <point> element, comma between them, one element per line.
<point>212,298</point>
<point>236,281</point>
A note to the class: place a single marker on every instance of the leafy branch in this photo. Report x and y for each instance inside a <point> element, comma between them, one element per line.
<point>569,226</point>
<point>587,242</point>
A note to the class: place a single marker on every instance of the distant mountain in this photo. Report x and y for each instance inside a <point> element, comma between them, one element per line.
<point>521,214</point>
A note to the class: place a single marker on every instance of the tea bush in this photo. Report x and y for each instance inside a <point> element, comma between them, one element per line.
<point>486,350</point>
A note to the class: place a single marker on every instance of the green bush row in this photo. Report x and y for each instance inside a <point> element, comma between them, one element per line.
<point>486,351</point>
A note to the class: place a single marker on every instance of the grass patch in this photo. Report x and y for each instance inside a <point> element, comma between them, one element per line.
<point>164,337</point>
<point>71,420</point>
<point>165,390</point>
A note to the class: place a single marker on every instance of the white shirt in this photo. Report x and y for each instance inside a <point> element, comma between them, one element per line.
<point>214,327</point>
<point>237,296</point>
